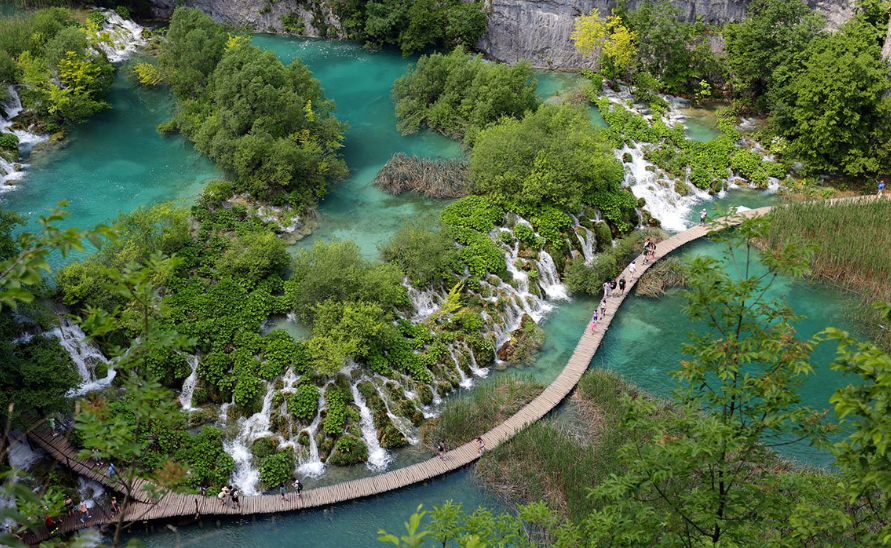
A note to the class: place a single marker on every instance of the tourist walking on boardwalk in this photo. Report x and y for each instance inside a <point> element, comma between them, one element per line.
<point>441,450</point>
<point>646,250</point>
<point>622,286</point>
<point>603,309</point>
<point>114,506</point>
<point>612,286</point>
<point>702,215</point>
<point>881,187</point>
<point>482,445</point>
<point>632,269</point>
<point>235,504</point>
<point>52,424</point>
<point>84,512</point>
<point>281,491</point>
<point>224,494</point>
<point>593,326</point>
<point>606,290</point>
<point>298,486</point>
<point>651,250</point>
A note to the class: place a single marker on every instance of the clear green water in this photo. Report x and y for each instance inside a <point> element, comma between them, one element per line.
<point>115,162</point>
<point>118,161</point>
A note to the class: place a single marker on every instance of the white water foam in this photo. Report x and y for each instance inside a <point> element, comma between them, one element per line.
<point>311,465</point>
<point>84,355</point>
<point>120,37</point>
<point>378,457</point>
<point>245,476</point>
<point>185,397</point>
<point>10,171</point>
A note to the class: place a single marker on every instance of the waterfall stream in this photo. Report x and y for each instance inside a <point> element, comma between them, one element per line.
<point>121,37</point>
<point>378,457</point>
<point>185,397</point>
<point>245,476</point>
<point>311,465</point>
<point>84,355</point>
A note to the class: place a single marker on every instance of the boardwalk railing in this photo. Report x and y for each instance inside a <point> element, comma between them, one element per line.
<point>178,505</point>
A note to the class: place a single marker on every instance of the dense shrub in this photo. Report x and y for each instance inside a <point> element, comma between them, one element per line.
<point>277,469</point>
<point>209,465</point>
<point>336,414</point>
<point>304,403</point>
<point>427,256</point>
<point>459,94</point>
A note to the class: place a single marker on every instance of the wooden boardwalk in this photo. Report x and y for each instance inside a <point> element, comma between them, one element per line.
<point>179,505</point>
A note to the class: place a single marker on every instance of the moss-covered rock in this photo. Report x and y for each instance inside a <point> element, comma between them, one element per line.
<point>264,447</point>
<point>425,394</point>
<point>349,450</point>
<point>389,436</point>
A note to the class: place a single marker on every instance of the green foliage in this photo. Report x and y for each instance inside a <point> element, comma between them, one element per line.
<point>427,256</point>
<point>675,52</point>
<point>209,465</point>
<point>412,24</point>
<point>349,450</point>
<point>304,403</point>
<point>282,142</point>
<point>358,329</point>
<point>773,34</point>
<point>459,94</point>
<point>525,234</point>
<point>552,156</point>
<point>336,412</point>
<point>9,141</point>
<point>254,256</point>
<point>589,278</point>
<point>277,469</point>
<point>280,352</point>
<point>336,271</point>
<point>834,110</point>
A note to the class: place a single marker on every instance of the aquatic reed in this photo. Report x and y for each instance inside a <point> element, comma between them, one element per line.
<point>464,418</point>
<point>433,177</point>
<point>854,239</point>
<point>664,275</point>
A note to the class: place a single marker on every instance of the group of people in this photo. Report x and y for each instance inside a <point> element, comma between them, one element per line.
<point>227,493</point>
<point>612,287</point>
<point>298,488</point>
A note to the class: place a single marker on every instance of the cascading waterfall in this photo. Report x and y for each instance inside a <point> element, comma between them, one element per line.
<point>401,423</point>
<point>465,382</point>
<point>10,171</point>
<point>88,491</point>
<point>311,465</point>
<point>662,200</point>
<point>587,241</point>
<point>245,475</point>
<point>478,371</point>
<point>549,279</point>
<point>84,355</point>
<point>378,457</point>
<point>121,37</point>
<point>425,302</point>
<point>185,397</point>
<point>20,454</point>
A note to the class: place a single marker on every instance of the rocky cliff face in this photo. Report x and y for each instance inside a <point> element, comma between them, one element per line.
<point>537,30</point>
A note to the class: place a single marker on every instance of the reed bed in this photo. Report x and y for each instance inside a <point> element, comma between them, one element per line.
<point>485,407</point>
<point>854,240</point>
<point>664,275</point>
<point>559,463</point>
<point>436,178</point>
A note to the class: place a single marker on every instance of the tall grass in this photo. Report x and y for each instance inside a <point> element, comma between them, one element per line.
<point>485,407</point>
<point>665,274</point>
<point>854,240</point>
<point>557,463</point>
<point>437,178</point>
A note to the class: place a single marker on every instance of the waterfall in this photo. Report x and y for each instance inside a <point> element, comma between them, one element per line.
<point>88,491</point>
<point>587,241</point>
<point>311,465</point>
<point>245,475</point>
<point>84,355</point>
<point>378,457</point>
<point>662,200</point>
<point>185,397</point>
<point>465,381</point>
<point>425,302</point>
<point>549,278</point>
<point>401,423</point>
<point>21,455</point>
<point>475,368</point>
<point>120,37</point>
<point>12,171</point>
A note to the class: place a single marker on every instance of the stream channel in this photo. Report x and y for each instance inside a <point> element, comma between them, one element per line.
<point>117,161</point>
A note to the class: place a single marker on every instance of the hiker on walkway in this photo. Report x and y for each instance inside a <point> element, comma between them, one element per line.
<point>622,286</point>
<point>612,286</point>
<point>881,187</point>
<point>482,445</point>
<point>84,512</point>
<point>52,424</point>
<point>651,251</point>
<point>646,252</point>
<point>281,491</point>
<point>111,470</point>
<point>702,215</point>
<point>224,494</point>
<point>593,329</point>
<point>69,505</point>
<point>441,450</point>
<point>298,487</point>
<point>603,309</point>
<point>606,290</point>
<point>594,317</point>
<point>632,269</point>
<point>114,506</point>
<point>235,504</point>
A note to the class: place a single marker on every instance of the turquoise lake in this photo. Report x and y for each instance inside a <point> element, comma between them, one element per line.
<point>117,162</point>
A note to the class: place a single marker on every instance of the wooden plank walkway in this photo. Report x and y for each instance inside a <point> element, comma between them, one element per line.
<point>180,505</point>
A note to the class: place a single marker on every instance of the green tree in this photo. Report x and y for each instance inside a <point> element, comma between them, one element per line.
<point>427,256</point>
<point>553,155</point>
<point>616,42</point>
<point>835,111</point>
<point>459,94</point>
<point>773,34</point>
<point>194,46</point>
<point>254,256</point>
